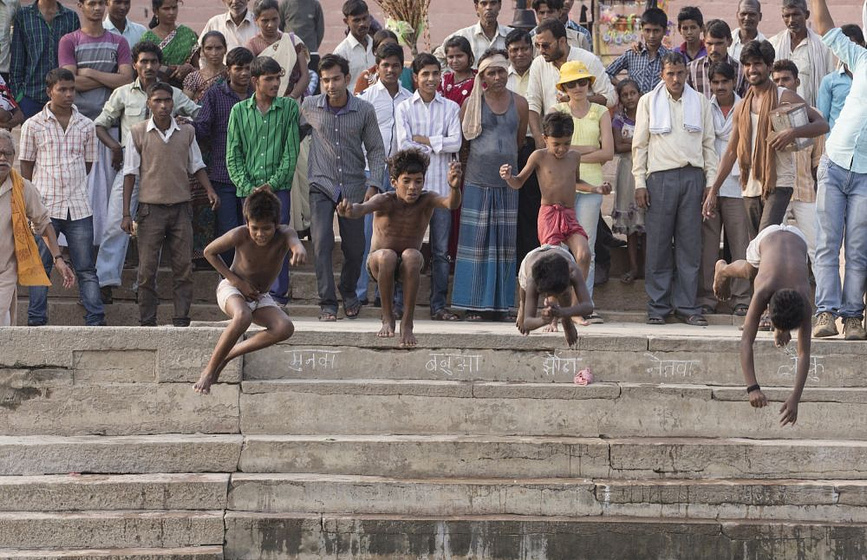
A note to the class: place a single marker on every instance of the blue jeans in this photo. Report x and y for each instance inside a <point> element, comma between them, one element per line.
<point>587,208</point>
<point>79,236</point>
<point>115,241</point>
<point>440,228</point>
<point>841,206</point>
<point>229,215</point>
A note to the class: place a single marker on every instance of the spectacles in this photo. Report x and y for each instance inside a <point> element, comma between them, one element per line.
<point>8,154</point>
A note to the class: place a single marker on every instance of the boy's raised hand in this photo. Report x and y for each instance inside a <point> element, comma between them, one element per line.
<point>344,209</point>
<point>506,172</point>
<point>455,173</point>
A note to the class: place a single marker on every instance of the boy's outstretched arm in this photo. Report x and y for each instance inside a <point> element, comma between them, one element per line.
<point>299,253</point>
<point>517,181</point>
<point>453,201</point>
<point>748,365</point>
<point>531,321</point>
<point>789,410</point>
<point>821,16</point>
<point>346,209</point>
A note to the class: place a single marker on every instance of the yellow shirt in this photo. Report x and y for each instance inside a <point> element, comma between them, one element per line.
<point>677,149</point>
<point>587,133</point>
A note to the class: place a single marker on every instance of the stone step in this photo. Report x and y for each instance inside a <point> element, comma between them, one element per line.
<point>826,501</point>
<point>545,409</point>
<point>252,536</point>
<point>113,492</point>
<point>186,553</point>
<point>165,453</point>
<point>110,529</point>
<point>554,457</point>
<point>494,352</point>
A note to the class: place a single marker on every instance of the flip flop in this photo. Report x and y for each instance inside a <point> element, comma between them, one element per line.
<point>352,311</point>
<point>444,315</point>
<point>765,323</point>
<point>653,320</point>
<point>473,317</point>
<point>740,310</point>
<point>327,317</point>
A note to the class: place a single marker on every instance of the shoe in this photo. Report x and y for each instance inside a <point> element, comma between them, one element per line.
<point>853,329</point>
<point>825,325</point>
<point>106,295</point>
<point>594,319</point>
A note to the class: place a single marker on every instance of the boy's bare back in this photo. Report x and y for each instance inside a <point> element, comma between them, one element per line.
<point>557,177</point>
<point>260,265</point>
<point>780,269</point>
<point>399,225</point>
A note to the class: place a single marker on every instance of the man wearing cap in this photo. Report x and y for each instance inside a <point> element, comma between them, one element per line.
<point>551,43</point>
<point>674,157</point>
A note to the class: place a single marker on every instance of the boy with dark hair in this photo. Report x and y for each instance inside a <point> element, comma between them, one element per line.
<point>552,9</point>
<point>357,48</point>
<point>557,169</point>
<point>262,146</point>
<point>162,154</point>
<point>777,264</point>
<point>644,64</point>
<point>690,24</point>
<point>400,220</point>
<point>717,40</point>
<point>260,246</point>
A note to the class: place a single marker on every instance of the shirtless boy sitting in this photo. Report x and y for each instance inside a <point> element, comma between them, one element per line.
<point>777,262</point>
<point>550,272</point>
<point>400,219</point>
<point>260,248</point>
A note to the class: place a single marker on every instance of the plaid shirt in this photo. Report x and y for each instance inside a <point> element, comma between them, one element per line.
<point>644,70</point>
<point>34,48</point>
<point>699,80</point>
<point>59,173</point>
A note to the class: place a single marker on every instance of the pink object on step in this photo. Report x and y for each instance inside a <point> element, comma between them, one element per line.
<point>584,377</point>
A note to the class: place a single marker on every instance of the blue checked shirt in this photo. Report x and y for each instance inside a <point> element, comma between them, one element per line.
<point>645,71</point>
<point>34,49</point>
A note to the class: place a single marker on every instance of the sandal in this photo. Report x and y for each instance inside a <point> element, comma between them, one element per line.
<point>740,310</point>
<point>765,323</point>
<point>444,315</point>
<point>696,320</point>
<point>629,277</point>
<point>594,319</point>
<point>474,317</point>
<point>654,320</point>
<point>327,317</point>
<point>352,311</point>
<point>707,310</point>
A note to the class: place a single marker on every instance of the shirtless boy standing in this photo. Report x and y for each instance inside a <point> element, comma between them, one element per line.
<point>260,248</point>
<point>400,219</point>
<point>777,262</point>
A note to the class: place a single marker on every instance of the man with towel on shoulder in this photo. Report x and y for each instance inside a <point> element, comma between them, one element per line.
<point>673,160</point>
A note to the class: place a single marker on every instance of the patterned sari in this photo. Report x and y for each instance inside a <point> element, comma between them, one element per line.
<point>178,47</point>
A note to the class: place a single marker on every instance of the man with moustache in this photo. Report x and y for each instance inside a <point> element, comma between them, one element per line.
<point>237,24</point>
<point>487,34</point>
<point>749,15</point>
<point>717,38</point>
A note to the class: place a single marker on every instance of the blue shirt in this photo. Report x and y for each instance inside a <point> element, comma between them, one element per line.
<point>847,143</point>
<point>646,71</point>
<point>832,94</point>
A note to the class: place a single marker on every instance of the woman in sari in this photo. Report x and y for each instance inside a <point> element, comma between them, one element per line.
<point>179,43</point>
<point>286,48</point>
<point>213,72</point>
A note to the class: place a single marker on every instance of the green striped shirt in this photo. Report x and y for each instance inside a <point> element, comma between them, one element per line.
<point>262,148</point>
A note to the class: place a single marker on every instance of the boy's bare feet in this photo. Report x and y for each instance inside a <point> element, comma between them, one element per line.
<point>570,331</point>
<point>721,288</point>
<point>203,385</point>
<point>407,338</point>
<point>387,330</point>
<point>552,327</point>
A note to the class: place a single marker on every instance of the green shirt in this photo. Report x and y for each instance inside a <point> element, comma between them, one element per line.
<point>262,148</point>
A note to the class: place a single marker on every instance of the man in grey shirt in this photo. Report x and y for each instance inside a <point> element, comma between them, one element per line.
<point>336,171</point>
<point>305,19</point>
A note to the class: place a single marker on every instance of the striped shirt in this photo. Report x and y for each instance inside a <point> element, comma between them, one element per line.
<point>7,14</point>
<point>103,54</point>
<point>337,160</point>
<point>59,155</point>
<point>646,71</point>
<point>697,78</point>
<point>386,109</point>
<point>262,148</point>
<point>212,127</point>
<point>34,48</point>
<point>440,121</point>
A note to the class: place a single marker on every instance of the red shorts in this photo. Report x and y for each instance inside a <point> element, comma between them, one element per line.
<point>557,224</point>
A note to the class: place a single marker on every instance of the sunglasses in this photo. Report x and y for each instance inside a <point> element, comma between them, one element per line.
<point>583,82</point>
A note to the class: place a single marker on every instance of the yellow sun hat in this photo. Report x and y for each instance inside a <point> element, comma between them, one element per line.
<point>574,70</point>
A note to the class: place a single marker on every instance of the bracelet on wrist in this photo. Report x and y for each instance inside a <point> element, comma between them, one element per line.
<point>57,257</point>
<point>752,388</point>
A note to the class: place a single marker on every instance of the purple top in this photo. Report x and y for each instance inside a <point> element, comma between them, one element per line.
<point>212,126</point>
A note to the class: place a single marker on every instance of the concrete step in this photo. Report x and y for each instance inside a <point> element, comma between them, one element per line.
<point>493,408</point>
<point>252,536</point>
<point>110,529</point>
<point>493,352</point>
<point>825,501</point>
<point>554,457</point>
<point>113,492</point>
<point>69,312</point>
<point>164,453</point>
<point>186,553</point>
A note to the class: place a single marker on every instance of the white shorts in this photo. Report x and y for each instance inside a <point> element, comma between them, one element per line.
<point>524,271</point>
<point>225,290</point>
<point>754,253</point>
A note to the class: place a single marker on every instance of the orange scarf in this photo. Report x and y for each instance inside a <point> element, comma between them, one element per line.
<point>762,158</point>
<point>31,271</point>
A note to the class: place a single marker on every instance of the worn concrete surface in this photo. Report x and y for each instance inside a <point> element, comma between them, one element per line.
<point>186,553</point>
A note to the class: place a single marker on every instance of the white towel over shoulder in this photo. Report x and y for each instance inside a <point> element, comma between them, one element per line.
<point>660,115</point>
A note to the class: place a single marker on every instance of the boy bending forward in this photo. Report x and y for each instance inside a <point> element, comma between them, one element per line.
<point>777,262</point>
<point>260,248</point>
<point>400,219</point>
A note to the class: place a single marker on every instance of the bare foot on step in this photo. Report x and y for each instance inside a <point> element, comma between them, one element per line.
<point>387,330</point>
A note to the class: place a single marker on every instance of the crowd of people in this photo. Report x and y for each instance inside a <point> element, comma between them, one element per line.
<point>163,134</point>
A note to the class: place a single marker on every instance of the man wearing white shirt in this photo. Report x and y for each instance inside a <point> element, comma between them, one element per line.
<point>487,34</point>
<point>117,22</point>
<point>749,15</point>
<point>431,123</point>
<point>236,24</point>
<point>357,48</point>
<point>385,95</point>
<point>550,41</point>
